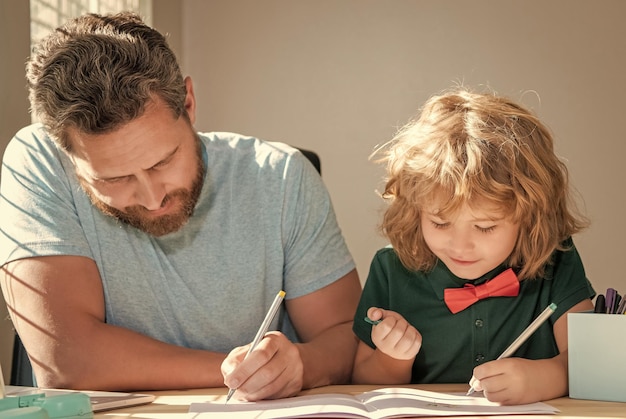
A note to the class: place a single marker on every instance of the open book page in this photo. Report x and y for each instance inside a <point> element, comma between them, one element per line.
<point>316,405</point>
<point>383,403</point>
<point>402,402</point>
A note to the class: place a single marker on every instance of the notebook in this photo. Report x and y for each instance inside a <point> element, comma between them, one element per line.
<point>100,400</point>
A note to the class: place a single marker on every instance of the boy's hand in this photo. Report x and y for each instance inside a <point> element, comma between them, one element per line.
<point>394,336</point>
<point>509,381</point>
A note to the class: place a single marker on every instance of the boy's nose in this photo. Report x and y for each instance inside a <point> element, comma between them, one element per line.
<point>460,241</point>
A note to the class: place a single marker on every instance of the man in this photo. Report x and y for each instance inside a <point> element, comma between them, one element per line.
<point>137,253</point>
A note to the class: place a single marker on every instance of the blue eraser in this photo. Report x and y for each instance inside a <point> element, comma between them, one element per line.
<point>67,406</point>
<point>32,412</point>
<point>38,406</point>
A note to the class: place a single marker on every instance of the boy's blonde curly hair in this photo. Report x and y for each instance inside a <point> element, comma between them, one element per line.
<point>478,147</point>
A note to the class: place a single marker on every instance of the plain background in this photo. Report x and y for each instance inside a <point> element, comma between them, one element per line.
<point>341,76</point>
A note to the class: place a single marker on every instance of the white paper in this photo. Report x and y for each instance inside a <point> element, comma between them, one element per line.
<point>382,403</point>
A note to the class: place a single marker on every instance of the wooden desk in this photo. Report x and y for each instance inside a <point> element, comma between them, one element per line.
<point>174,404</point>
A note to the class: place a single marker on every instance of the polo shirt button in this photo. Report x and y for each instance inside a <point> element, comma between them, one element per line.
<point>479,358</point>
<point>478,323</point>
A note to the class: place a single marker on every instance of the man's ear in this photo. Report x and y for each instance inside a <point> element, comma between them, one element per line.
<point>190,101</point>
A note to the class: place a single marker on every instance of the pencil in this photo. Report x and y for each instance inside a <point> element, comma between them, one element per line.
<point>520,339</point>
<point>271,313</point>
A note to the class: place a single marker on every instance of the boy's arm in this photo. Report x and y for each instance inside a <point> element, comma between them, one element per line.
<point>519,381</point>
<point>371,366</point>
<point>397,344</point>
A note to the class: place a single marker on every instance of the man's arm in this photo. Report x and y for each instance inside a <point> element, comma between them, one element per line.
<point>323,321</point>
<point>278,368</point>
<point>57,306</point>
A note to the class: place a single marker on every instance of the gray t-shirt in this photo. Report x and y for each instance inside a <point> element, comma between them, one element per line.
<point>264,222</point>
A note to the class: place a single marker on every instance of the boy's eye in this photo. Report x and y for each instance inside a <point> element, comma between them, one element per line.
<point>439,225</point>
<point>486,229</point>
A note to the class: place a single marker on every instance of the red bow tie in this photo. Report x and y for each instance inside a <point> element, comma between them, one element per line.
<point>504,285</point>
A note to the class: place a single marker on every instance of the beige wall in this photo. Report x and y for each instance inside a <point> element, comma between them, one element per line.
<point>338,76</point>
<point>167,18</point>
<point>14,50</point>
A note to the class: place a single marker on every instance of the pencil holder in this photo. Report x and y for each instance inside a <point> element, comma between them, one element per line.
<point>597,359</point>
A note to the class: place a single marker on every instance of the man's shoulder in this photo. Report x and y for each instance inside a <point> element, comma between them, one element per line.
<point>224,146</point>
<point>243,142</point>
<point>33,135</point>
<point>31,143</point>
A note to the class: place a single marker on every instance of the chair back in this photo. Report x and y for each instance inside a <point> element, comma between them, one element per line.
<point>313,158</point>
<point>21,370</point>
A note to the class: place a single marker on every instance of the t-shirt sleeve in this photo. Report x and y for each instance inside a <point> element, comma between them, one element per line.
<point>570,283</point>
<point>38,214</point>
<point>316,254</point>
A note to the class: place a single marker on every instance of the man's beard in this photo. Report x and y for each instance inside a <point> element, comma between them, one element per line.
<point>138,216</point>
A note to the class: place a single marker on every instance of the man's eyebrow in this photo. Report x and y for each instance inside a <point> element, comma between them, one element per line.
<point>166,158</point>
<point>163,160</point>
<point>107,179</point>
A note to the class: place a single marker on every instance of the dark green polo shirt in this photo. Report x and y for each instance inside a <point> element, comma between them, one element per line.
<point>453,344</point>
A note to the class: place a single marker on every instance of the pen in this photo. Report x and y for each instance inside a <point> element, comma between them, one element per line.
<point>610,299</point>
<point>600,306</point>
<point>520,339</point>
<point>262,331</point>
<point>621,306</point>
<point>616,303</point>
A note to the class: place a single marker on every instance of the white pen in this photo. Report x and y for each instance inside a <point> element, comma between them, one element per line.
<point>520,339</point>
<point>262,331</point>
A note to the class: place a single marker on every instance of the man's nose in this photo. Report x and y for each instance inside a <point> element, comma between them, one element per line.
<point>150,192</point>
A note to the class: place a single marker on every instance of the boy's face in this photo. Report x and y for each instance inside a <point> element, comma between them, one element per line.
<point>472,242</point>
<point>148,173</point>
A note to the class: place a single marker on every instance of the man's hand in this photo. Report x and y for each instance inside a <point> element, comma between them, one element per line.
<point>273,369</point>
<point>394,336</point>
<point>325,354</point>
